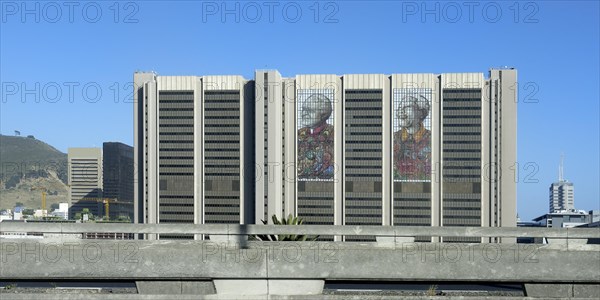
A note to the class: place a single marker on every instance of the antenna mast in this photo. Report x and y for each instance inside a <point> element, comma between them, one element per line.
<point>560,168</point>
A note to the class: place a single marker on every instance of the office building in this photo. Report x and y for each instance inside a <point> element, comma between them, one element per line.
<point>561,194</point>
<point>358,149</point>
<point>117,186</point>
<point>411,149</point>
<point>100,175</point>
<point>193,139</point>
<point>85,180</point>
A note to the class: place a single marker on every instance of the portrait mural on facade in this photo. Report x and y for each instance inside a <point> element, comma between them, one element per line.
<point>315,134</point>
<point>412,135</point>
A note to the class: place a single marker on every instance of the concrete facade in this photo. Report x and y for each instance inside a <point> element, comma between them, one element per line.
<point>564,219</point>
<point>334,150</point>
<point>85,179</point>
<point>164,260</point>
<point>190,149</point>
<point>561,196</point>
<point>471,125</point>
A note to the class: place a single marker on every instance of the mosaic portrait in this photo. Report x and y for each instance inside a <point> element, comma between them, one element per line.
<point>315,134</point>
<point>412,135</point>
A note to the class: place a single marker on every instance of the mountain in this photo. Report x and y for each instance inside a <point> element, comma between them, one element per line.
<point>29,166</point>
<point>29,149</point>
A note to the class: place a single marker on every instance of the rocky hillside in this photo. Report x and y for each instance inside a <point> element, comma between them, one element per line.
<point>28,166</point>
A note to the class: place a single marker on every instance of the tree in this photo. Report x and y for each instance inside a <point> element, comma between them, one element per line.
<point>291,220</point>
<point>123,218</point>
<point>19,204</point>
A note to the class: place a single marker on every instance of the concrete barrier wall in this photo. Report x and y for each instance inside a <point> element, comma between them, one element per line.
<point>223,229</point>
<point>145,260</point>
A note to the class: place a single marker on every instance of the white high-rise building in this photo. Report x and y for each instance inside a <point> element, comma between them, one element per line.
<point>561,193</point>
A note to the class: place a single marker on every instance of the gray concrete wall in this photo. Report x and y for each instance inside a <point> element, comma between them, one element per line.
<point>194,260</point>
<point>234,229</point>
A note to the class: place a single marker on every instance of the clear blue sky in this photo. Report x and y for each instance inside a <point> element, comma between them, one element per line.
<point>553,44</point>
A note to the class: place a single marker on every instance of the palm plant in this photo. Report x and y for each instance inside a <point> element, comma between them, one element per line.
<point>291,220</point>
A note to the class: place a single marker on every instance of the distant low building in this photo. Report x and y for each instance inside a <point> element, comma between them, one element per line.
<point>62,211</point>
<point>595,216</point>
<point>18,213</point>
<point>529,240</point>
<point>5,215</point>
<point>40,213</point>
<point>62,236</point>
<point>564,219</point>
<point>528,224</point>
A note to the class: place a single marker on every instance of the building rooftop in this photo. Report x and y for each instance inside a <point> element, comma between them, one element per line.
<point>562,213</point>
